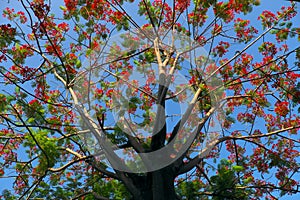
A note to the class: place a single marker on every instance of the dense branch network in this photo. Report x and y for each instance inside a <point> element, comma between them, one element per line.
<point>59,113</point>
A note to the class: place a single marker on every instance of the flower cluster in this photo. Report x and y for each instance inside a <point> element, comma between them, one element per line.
<point>267,18</point>
<point>243,33</point>
<point>281,108</point>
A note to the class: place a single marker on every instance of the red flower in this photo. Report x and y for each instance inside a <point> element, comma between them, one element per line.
<point>63,26</point>
<point>109,93</point>
<point>281,108</point>
<point>34,101</point>
<point>71,5</point>
<point>98,93</point>
<point>55,49</point>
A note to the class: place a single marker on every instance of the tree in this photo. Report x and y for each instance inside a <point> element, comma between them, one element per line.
<point>91,90</point>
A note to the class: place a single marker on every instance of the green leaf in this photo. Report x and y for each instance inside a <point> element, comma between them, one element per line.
<point>31,120</point>
<point>78,63</point>
<point>248,180</point>
<point>10,98</point>
<point>17,89</point>
<point>63,8</point>
<point>135,100</point>
<point>237,168</point>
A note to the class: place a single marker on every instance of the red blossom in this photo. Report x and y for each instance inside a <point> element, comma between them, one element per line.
<point>98,93</point>
<point>221,48</point>
<point>281,108</point>
<point>109,93</point>
<point>267,18</point>
<point>116,17</point>
<point>244,33</point>
<point>181,5</point>
<point>71,5</point>
<point>63,26</point>
<point>54,49</point>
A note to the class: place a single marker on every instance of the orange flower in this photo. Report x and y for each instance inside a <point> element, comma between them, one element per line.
<point>281,108</point>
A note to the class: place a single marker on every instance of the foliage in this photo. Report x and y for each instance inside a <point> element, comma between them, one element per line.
<point>65,78</point>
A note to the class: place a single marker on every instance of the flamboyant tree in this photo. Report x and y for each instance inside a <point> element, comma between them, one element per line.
<point>144,99</point>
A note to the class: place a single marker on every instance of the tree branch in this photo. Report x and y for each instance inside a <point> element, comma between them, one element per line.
<point>191,164</point>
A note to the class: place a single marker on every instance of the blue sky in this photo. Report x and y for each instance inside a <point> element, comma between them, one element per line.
<point>265,5</point>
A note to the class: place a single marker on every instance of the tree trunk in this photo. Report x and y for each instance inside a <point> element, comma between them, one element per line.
<point>157,185</point>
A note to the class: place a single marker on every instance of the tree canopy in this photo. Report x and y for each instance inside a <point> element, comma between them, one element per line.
<point>140,99</point>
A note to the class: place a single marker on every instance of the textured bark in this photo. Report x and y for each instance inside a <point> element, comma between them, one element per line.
<point>157,185</point>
